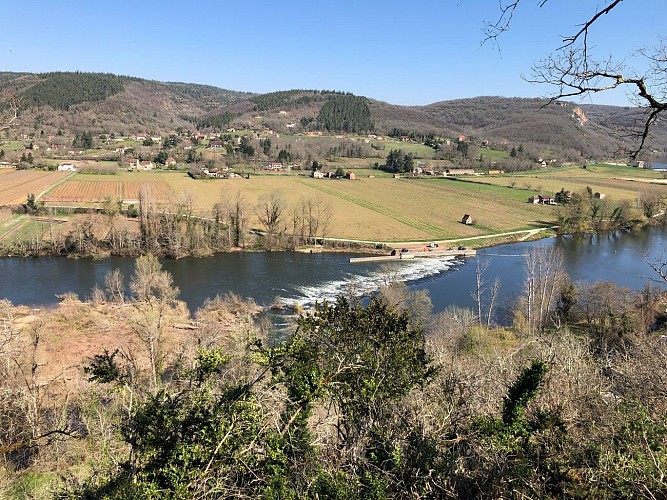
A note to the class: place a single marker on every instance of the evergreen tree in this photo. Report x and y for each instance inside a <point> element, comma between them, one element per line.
<point>246,148</point>
<point>266,146</point>
<point>284,157</point>
<point>346,114</point>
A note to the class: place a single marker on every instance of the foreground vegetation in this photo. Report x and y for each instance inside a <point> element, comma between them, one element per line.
<point>130,397</point>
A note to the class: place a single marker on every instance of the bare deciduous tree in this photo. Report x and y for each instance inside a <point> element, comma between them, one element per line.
<point>155,296</point>
<point>148,218</point>
<point>485,293</point>
<point>233,210</point>
<point>312,219</point>
<point>270,209</point>
<point>13,102</point>
<point>544,277</point>
<point>114,286</point>
<point>573,70</point>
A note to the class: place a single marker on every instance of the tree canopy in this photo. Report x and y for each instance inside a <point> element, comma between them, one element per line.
<point>346,113</point>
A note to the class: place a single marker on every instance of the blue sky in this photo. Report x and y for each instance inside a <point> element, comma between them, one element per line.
<point>399,52</point>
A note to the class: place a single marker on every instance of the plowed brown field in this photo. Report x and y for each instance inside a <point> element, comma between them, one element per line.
<point>94,191</point>
<point>15,185</point>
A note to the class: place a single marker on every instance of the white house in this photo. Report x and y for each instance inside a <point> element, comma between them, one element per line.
<point>66,167</point>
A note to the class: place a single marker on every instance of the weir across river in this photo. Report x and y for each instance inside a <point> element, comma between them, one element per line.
<point>415,255</point>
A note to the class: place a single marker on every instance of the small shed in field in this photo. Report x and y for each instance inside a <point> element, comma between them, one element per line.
<point>467,219</point>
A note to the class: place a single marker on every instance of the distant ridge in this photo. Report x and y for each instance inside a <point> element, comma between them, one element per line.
<point>103,102</point>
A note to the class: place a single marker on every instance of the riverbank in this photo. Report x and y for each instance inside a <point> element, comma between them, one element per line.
<point>100,236</point>
<point>108,233</point>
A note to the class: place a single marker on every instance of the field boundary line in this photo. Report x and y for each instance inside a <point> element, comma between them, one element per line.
<point>53,186</point>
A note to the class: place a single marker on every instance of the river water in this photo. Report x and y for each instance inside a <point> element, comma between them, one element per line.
<point>306,278</point>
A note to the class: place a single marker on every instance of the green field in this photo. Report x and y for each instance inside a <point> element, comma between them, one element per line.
<point>493,154</point>
<point>418,150</point>
<point>10,146</point>
<point>612,180</point>
<point>387,209</point>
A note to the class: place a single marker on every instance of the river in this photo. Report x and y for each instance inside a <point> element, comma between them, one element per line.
<point>305,278</point>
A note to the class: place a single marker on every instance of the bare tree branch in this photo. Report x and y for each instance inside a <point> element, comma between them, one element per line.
<point>14,103</point>
<point>570,40</point>
<point>574,73</point>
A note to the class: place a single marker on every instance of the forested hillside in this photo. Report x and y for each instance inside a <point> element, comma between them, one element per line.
<point>62,90</point>
<point>346,114</point>
<point>563,126</point>
<point>105,103</point>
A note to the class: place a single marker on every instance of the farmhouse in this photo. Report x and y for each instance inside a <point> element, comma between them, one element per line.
<point>317,174</point>
<point>274,166</point>
<point>145,165</point>
<point>350,175</point>
<point>542,199</point>
<point>599,196</point>
<point>171,161</point>
<point>216,145</point>
<point>66,167</point>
